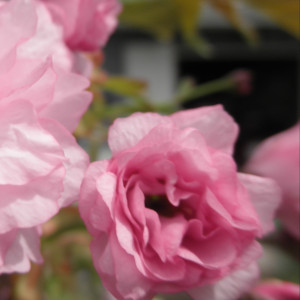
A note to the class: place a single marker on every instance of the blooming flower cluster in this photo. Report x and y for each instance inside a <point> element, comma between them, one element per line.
<point>170,213</point>
<point>42,98</point>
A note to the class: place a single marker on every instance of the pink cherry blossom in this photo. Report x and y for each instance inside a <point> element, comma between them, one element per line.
<point>41,165</point>
<point>278,158</point>
<point>278,290</point>
<point>41,170</point>
<point>36,65</point>
<point>169,212</point>
<point>87,24</point>
<point>17,248</point>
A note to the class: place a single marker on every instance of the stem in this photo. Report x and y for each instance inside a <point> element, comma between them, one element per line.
<point>205,89</point>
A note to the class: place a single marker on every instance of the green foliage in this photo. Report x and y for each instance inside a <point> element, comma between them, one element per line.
<point>285,13</point>
<point>228,8</point>
<point>166,18</point>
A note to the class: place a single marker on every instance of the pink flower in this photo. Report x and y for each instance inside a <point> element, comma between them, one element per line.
<point>87,24</point>
<point>35,64</point>
<point>41,165</point>
<point>41,170</point>
<point>278,290</point>
<point>278,158</point>
<point>170,213</point>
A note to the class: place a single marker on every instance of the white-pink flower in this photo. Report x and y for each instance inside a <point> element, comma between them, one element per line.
<point>87,24</point>
<point>170,213</point>
<point>278,158</point>
<point>41,165</point>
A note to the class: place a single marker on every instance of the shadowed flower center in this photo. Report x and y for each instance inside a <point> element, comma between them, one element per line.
<point>164,207</point>
<point>161,205</point>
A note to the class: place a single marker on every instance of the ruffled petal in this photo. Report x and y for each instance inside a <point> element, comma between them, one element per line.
<point>75,164</point>
<point>14,15</point>
<point>70,100</point>
<point>265,197</point>
<point>25,248</point>
<point>218,127</point>
<point>47,41</point>
<point>89,198</point>
<point>230,287</point>
<point>127,132</point>
<point>32,170</point>
<point>118,270</point>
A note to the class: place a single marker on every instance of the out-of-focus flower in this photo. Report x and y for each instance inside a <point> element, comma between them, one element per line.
<point>41,165</point>
<point>41,170</point>
<point>243,81</point>
<point>87,24</point>
<point>36,65</point>
<point>170,213</point>
<point>278,158</point>
<point>277,290</point>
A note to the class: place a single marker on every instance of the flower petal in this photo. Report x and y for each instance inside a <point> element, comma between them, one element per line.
<point>127,132</point>
<point>75,164</point>
<point>89,196</point>
<point>265,197</point>
<point>25,248</point>
<point>14,15</point>
<point>218,127</point>
<point>70,99</point>
<point>118,270</point>
<point>230,287</point>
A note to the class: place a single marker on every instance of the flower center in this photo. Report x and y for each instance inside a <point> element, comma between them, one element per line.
<point>161,205</point>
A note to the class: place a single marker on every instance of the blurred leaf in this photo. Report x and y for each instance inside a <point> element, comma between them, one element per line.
<point>284,12</point>
<point>228,9</point>
<point>164,18</point>
<point>154,16</point>
<point>187,12</point>
<point>125,86</point>
<point>185,86</point>
<point>27,287</point>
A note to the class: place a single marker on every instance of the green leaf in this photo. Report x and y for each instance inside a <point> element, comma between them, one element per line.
<point>284,12</point>
<point>156,17</point>
<point>188,12</point>
<point>165,18</point>
<point>125,86</point>
<point>229,10</point>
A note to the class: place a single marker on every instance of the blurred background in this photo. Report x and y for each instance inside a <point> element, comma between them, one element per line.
<point>168,55</point>
<point>165,42</point>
